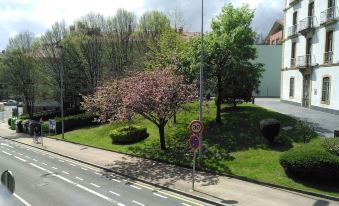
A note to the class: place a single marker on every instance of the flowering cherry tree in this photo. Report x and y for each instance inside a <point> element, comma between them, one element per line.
<point>155,95</point>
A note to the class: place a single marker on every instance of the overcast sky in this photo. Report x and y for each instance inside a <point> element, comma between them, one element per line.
<point>38,15</point>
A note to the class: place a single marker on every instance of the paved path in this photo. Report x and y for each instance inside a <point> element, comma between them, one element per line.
<point>324,123</point>
<point>225,190</point>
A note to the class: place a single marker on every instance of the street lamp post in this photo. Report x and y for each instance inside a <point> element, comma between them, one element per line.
<point>201,79</point>
<point>61,90</point>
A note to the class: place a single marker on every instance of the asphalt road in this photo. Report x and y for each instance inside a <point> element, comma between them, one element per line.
<point>43,178</point>
<point>8,113</point>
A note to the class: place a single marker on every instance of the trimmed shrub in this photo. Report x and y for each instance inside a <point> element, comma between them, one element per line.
<point>9,121</point>
<point>311,162</point>
<point>128,135</point>
<point>332,145</point>
<point>270,128</point>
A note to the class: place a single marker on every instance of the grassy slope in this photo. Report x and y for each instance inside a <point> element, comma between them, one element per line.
<point>236,147</point>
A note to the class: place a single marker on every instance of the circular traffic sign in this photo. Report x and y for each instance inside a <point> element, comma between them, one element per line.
<point>194,141</point>
<point>196,127</point>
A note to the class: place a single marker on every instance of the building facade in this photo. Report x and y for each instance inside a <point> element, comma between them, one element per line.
<point>270,56</point>
<point>310,68</point>
<point>276,34</point>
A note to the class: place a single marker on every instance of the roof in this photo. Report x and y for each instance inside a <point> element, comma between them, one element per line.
<point>277,26</point>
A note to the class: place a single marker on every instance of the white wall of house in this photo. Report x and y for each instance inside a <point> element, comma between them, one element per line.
<point>270,56</point>
<point>320,69</point>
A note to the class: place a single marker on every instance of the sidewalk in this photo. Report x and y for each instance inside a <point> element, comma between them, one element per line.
<point>226,190</point>
<point>324,123</point>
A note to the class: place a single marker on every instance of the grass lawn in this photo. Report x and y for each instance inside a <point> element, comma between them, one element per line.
<point>235,147</point>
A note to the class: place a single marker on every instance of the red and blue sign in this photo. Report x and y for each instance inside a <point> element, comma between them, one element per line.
<point>194,141</point>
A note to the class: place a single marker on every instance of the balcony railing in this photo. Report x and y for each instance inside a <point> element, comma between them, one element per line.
<point>293,63</point>
<point>328,57</point>
<point>307,24</point>
<point>305,61</point>
<point>329,15</point>
<point>293,30</point>
<point>293,2</point>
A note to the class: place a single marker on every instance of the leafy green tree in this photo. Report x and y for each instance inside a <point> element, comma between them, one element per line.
<point>153,23</point>
<point>19,69</point>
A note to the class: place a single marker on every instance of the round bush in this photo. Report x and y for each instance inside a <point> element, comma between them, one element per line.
<point>311,162</point>
<point>128,135</point>
<point>270,128</point>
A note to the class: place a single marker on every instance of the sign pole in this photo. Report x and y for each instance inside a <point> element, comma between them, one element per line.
<point>193,170</point>
<point>201,78</point>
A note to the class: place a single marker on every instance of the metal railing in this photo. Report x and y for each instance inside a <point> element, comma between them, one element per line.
<point>306,60</point>
<point>328,57</point>
<point>293,62</point>
<point>292,30</point>
<point>307,23</point>
<point>328,15</point>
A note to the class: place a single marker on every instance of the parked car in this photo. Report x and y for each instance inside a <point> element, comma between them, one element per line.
<point>11,103</point>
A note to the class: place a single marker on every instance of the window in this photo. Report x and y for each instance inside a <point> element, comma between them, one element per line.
<point>328,56</point>
<point>325,97</point>
<point>293,52</point>
<point>331,3</point>
<point>292,87</point>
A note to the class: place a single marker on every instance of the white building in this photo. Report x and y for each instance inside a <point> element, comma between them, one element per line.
<point>310,67</point>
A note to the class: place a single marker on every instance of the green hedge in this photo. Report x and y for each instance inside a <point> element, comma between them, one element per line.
<point>311,162</point>
<point>75,121</point>
<point>45,115</point>
<point>128,135</point>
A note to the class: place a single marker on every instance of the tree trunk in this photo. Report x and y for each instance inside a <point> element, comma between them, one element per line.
<point>162,136</point>
<point>219,98</point>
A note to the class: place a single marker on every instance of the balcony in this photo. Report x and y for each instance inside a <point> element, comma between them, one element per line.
<point>293,2</point>
<point>329,16</point>
<point>293,63</point>
<point>328,57</point>
<point>307,25</point>
<point>305,62</point>
<point>292,31</point>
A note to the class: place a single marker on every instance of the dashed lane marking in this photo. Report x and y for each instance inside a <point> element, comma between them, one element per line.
<point>20,158</point>
<point>156,194</point>
<point>98,173</point>
<point>135,187</point>
<point>97,186</point>
<point>44,164</point>
<point>54,168</point>
<point>65,172</point>
<point>35,160</point>
<point>7,153</point>
<point>27,157</point>
<point>79,178</point>
<point>138,203</point>
<point>116,180</point>
<point>22,200</point>
<point>61,161</point>
<point>114,193</point>
<point>185,204</point>
<point>83,168</point>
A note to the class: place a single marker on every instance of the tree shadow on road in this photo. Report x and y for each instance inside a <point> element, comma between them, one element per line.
<point>160,173</point>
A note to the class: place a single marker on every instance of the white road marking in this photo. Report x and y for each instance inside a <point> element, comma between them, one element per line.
<point>185,204</point>
<point>156,194</point>
<point>27,157</point>
<point>98,173</point>
<point>65,172</point>
<point>72,164</point>
<point>20,158</point>
<point>114,193</point>
<point>94,185</point>
<point>138,203</point>
<point>20,154</point>
<point>83,168</point>
<point>135,187</point>
<point>54,168</point>
<point>116,180</point>
<point>13,151</point>
<point>22,200</point>
<point>61,161</point>
<point>79,178</point>
<point>7,153</point>
<point>44,164</point>
<point>35,160</point>
<point>4,144</point>
<point>80,186</point>
<point>51,157</point>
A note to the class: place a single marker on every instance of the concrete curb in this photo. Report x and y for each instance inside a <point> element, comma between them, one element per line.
<point>130,177</point>
<point>220,174</point>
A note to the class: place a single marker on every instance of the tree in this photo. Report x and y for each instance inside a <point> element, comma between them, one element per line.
<point>153,23</point>
<point>155,95</point>
<point>19,69</point>
<point>165,52</point>
<point>228,54</point>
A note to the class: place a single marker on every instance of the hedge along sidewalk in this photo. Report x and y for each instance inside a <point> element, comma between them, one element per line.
<point>224,189</point>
